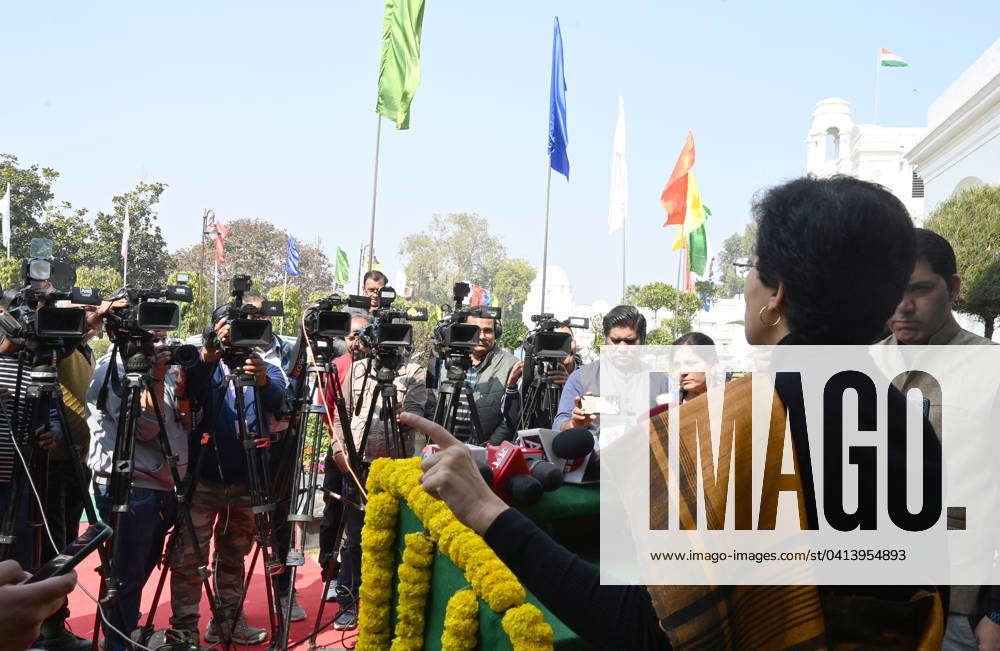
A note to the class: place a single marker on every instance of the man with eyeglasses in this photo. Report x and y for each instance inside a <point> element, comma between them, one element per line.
<point>623,325</point>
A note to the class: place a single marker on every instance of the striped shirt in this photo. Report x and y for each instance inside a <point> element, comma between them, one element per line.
<point>463,415</point>
<point>8,382</point>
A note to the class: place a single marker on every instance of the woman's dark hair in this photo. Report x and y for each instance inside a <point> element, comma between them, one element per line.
<point>937,252</point>
<point>625,316</point>
<point>844,249</point>
<point>693,339</point>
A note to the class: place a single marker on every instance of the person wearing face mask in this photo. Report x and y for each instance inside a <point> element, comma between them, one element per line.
<point>818,240</point>
<point>924,318</point>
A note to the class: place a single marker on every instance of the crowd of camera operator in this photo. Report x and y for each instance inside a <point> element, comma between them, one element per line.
<point>189,443</point>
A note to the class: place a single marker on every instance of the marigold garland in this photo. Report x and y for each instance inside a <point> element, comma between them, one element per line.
<point>414,584</point>
<point>388,482</point>
<point>461,622</point>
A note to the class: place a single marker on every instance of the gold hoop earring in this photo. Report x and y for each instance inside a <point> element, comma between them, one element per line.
<point>769,325</point>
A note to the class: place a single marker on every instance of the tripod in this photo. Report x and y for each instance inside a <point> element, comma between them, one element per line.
<point>541,393</point>
<point>255,446</point>
<point>303,493</point>
<point>450,391</point>
<point>136,351</point>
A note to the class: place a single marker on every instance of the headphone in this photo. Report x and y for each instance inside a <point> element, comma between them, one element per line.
<point>497,323</point>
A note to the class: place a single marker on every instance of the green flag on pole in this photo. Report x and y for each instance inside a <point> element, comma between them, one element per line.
<point>698,247</point>
<point>399,72</point>
<point>343,269</point>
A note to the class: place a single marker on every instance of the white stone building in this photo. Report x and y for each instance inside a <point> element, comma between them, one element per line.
<point>962,146</point>
<point>836,144</point>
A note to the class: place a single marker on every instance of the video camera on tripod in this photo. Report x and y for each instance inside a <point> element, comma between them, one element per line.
<point>147,311</point>
<point>453,337</point>
<point>248,324</point>
<point>32,315</point>
<point>544,349</point>
<point>391,334</point>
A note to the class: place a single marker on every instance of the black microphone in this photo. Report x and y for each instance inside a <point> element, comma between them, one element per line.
<point>524,490</point>
<point>547,473</point>
<point>573,443</point>
<point>485,471</point>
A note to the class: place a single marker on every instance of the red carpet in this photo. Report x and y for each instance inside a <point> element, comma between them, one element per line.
<point>308,582</point>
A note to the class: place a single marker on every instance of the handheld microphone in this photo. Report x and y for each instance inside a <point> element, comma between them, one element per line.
<point>512,480</point>
<point>548,474</point>
<point>573,444</point>
<point>485,471</point>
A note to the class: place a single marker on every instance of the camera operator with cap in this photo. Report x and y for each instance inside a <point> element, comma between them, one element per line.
<point>220,501</point>
<point>152,504</point>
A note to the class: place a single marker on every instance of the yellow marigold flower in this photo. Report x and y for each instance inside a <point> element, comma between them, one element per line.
<point>377,540</point>
<point>375,472</point>
<point>408,643</point>
<point>441,520</point>
<point>505,595</point>
<point>414,574</point>
<point>449,534</point>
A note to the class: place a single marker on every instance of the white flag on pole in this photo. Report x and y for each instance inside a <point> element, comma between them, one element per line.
<point>618,208</point>
<point>126,232</point>
<point>5,209</point>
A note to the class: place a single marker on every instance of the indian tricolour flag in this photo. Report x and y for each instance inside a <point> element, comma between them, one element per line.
<point>891,60</point>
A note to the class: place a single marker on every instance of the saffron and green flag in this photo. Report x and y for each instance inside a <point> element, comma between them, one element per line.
<point>343,269</point>
<point>891,59</point>
<point>698,247</point>
<point>399,71</point>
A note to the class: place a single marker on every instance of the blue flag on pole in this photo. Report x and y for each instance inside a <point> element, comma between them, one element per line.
<point>557,108</point>
<point>292,262</point>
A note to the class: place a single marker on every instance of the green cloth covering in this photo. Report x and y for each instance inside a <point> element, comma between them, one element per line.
<point>567,502</point>
<point>399,72</point>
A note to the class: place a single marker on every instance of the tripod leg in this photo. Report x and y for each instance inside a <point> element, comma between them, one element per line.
<point>477,425</point>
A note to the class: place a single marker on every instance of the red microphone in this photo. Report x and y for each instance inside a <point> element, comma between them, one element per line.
<point>512,480</point>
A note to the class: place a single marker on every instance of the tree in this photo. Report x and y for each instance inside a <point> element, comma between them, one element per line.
<point>510,290</point>
<point>148,260</point>
<point>514,333</point>
<point>454,248</point>
<point>30,194</point>
<point>106,280</point>
<point>597,327</point>
<point>736,247</point>
<point>291,323</point>
<point>33,213</point>
<point>660,336</point>
<point>196,314</point>
<point>632,294</point>
<point>656,296</point>
<point>423,331</point>
<point>10,273</point>
<point>259,249</point>
<point>970,221</point>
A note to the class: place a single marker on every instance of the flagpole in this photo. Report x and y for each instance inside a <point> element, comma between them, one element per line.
<point>371,228</point>
<point>215,288</point>
<point>878,75</point>
<point>677,296</point>
<point>284,292</point>
<point>545,248</point>
<point>624,219</point>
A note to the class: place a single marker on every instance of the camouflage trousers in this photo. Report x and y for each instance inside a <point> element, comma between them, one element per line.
<point>221,512</point>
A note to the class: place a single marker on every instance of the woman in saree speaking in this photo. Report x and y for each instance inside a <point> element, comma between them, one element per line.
<point>832,258</point>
